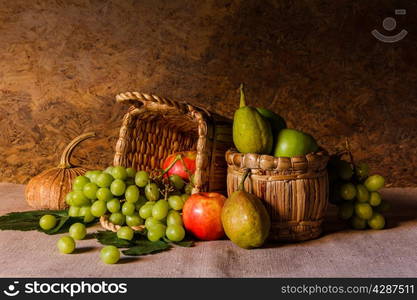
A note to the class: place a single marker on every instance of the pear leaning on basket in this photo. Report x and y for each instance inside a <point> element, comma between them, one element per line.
<point>47,190</point>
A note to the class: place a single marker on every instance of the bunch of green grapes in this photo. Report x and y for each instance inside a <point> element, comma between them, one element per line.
<point>356,194</point>
<point>129,198</point>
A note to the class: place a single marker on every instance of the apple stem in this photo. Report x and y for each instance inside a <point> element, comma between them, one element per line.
<point>242,96</point>
<point>241,184</point>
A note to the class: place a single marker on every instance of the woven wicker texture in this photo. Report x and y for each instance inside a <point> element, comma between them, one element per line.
<point>155,127</point>
<point>294,190</point>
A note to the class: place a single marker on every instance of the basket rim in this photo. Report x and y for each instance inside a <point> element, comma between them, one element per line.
<point>314,160</point>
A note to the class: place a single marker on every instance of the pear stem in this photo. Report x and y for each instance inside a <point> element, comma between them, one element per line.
<point>242,96</point>
<point>241,184</point>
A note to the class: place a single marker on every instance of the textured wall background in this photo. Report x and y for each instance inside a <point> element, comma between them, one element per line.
<point>314,62</point>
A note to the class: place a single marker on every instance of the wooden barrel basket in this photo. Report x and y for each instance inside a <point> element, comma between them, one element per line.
<point>294,190</point>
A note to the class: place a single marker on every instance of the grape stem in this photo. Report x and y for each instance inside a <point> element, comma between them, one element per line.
<point>166,170</point>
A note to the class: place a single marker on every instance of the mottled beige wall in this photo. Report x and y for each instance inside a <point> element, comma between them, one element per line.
<point>315,62</point>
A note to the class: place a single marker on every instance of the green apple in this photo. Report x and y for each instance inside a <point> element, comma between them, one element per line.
<point>291,142</point>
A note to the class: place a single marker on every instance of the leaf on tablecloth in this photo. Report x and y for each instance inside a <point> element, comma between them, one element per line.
<point>183,243</point>
<point>144,247</point>
<point>29,220</point>
<point>139,245</point>
<point>110,238</point>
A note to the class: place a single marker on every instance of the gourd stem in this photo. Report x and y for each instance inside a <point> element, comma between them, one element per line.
<point>66,154</point>
<point>242,96</point>
<point>241,184</point>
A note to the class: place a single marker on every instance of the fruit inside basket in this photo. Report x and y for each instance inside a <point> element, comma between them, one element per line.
<point>155,127</point>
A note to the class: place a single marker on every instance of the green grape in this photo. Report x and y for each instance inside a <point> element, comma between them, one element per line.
<point>118,187</point>
<point>79,183</point>
<point>141,202</point>
<point>77,231</point>
<point>347,191</point>
<point>146,210</point>
<point>66,245</point>
<point>363,210</point>
<point>175,202</point>
<point>375,199</point>
<point>94,175</point>
<point>156,232</point>
<point>104,194</point>
<point>108,170</point>
<point>361,171</point>
<point>374,182</point>
<point>88,174</point>
<point>160,209</point>
<point>344,170</point>
<point>73,211</point>
<point>98,208</point>
<point>88,217</point>
<point>134,220</point>
<point>174,218</point>
<point>84,210</point>
<point>177,181</point>
<point>110,254</point>
<point>152,191</point>
<point>150,222</point>
<point>345,210</point>
<point>362,194</point>
<point>90,190</point>
<point>377,221</point>
<point>119,172</point>
<point>68,198</point>
<point>142,178</point>
<point>175,233</point>
<point>113,205</point>
<point>383,207</point>
<point>47,222</point>
<point>358,223</point>
<point>117,218</point>
<point>132,193</point>
<point>128,209</point>
<point>125,233</point>
<point>78,199</point>
<point>185,197</point>
<point>131,172</point>
<point>188,189</point>
<point>104,180</point>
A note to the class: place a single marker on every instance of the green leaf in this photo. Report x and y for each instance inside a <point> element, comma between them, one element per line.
<point>185,243</point>
<point>144,247</point>
<point>110,238</point>
<point>29,220</point>
<point>140,245</point>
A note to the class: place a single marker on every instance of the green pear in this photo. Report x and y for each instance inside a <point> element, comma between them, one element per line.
<point>245,219</point>
<point>251,132</point>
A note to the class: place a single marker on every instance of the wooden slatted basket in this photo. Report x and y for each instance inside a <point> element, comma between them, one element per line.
<point>294,190</point>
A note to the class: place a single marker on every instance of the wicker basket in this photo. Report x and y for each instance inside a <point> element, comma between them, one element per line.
<point>155,127</point>
<point>294,190</point>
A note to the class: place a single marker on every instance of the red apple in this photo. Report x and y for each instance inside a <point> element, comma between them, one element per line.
<point>180,167</point>
<point>201,215</point>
